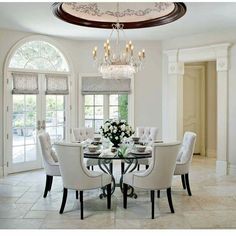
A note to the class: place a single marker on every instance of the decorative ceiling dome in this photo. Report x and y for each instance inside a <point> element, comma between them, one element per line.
<point>104,14</point>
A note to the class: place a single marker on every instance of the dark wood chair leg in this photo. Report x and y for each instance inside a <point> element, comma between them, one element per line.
<point>63,200</point>
<point>111,167</point>
<point>183,181</point>
<point>147,166</point>
<point>125,189</point>
<point>81,205</point>
<point>153,203</point>
<point>92,167</point>
<point>109,196</point>
<point>77,194</point>
<point>158,193</point>
<point>88,167</point>
<point>47,185</point>
<point>187,185</point>
<point>122,167</point>
<point>138,167</point>
<point>50,183</point>
<point>170,200</point>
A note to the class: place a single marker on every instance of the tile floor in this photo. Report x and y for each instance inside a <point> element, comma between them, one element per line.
<point>213,204</point>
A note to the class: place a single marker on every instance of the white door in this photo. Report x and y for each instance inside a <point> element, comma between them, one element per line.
<point>29,114</point>
<point>194,104</point>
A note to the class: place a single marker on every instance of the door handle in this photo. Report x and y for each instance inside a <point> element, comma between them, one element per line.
<point>38,125</point>
<point>43,125</point>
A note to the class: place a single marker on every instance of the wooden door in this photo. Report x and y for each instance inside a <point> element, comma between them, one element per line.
<point>194,104</point>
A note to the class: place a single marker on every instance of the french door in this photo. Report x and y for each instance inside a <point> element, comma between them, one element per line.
<point>29,114</point>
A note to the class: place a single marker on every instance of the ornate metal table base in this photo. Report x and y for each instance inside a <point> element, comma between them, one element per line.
<point>103,166</point>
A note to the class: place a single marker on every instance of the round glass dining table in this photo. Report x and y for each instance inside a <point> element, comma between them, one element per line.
<point>104,160</point>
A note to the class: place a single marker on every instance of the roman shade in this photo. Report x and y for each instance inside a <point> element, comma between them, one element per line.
<point>98,85</point>
<point>57,84</point>
<point>25,83</point>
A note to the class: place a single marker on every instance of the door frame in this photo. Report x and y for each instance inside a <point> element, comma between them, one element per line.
<point>6,93</point>
<point>202,67</point>
<point>173,95</point>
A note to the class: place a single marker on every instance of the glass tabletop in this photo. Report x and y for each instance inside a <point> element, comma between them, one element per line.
<point>130,155</point>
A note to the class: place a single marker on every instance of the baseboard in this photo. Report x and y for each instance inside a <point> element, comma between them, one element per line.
<point>221,168</point>
<point>232,169</point>
<point>211,153</point>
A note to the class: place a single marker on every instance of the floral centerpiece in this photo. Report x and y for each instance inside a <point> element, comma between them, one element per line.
<point>116,130</point>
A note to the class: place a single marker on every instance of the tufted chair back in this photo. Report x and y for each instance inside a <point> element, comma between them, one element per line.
<point>73,171</point>
<point>160,172</point>
<point>148,134</point>
<point>187,148</point>
<point>48,154</point>
<point>82,134</point>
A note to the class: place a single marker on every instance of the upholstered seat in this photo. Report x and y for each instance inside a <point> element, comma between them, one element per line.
<point>184,159</point>
<point>82,134</point>
<point>146,135</point>
<point>76,176</point>
<point>159,174</point>
<point>50,161</point>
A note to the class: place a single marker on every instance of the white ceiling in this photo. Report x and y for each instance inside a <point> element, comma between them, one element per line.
<point>38,18</point>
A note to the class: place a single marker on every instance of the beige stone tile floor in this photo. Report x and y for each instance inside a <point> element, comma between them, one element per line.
<point>213,204</point>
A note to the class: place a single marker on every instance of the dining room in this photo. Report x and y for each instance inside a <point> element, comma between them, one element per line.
<point>93,104</point>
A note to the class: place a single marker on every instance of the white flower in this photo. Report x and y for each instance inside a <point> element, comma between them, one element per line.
<point>114,131</point>
<point>116,138</point>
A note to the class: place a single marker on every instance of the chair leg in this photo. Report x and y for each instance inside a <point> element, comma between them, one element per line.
<point>88,167</point>
<point>122,168</point>
<point>147,166</point>
<point>183,181</point>
<point>111,167</point>
<point>47,185</point>
<point>109,196</point>
<point>158,193</point>
<point>125,188</point>
<point>50,183</point>
<point>77,194</point>
<point>92,167</point>
<point>81,205</point>
<point>63,200</point>
<point>153,203</point>
<point>187,185</point>
<point>138,167</point>
<point>170,200</point>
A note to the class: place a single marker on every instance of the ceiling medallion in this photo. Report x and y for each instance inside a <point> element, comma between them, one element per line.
<point>119,62</point>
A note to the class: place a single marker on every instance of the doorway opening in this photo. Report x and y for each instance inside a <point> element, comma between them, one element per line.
<point>200,105</point>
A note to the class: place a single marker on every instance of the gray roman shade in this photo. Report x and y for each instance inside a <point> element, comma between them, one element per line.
<point>98,85</point>
<point>57,84</point>
<point>25,83</point>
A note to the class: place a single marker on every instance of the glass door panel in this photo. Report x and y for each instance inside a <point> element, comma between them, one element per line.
<point>55,117</point>
<point>24,133</point>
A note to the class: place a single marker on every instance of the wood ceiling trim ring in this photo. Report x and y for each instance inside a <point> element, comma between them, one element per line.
<point>179,11</point>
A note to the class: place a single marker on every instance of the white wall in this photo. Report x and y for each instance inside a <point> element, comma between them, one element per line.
<point>207,39</point>
<point>148,85</point>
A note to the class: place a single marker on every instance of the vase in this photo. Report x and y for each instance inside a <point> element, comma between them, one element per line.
<point>115,144</point>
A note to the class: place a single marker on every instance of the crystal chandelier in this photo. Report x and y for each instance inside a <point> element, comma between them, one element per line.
<point>118,62</point>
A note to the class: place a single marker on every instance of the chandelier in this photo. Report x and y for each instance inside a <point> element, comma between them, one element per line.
<point>117,59</point>
<point>118,62</point>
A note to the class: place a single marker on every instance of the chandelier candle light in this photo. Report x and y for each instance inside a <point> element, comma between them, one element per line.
<point>117,63</point>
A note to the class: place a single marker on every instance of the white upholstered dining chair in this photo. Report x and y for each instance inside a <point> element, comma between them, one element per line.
<point>50,160</point>
<point>184,159</point>
<point>76,176</point>
<point>146,135</point>
<point>158,176</point>
<point>83,134</point>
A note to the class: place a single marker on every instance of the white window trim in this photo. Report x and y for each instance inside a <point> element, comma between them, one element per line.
<point>80,99</point>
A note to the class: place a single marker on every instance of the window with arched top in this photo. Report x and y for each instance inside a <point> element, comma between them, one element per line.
<point>39,55</point>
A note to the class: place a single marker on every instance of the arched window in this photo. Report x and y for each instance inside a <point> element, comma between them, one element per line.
<point>39,55</point>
